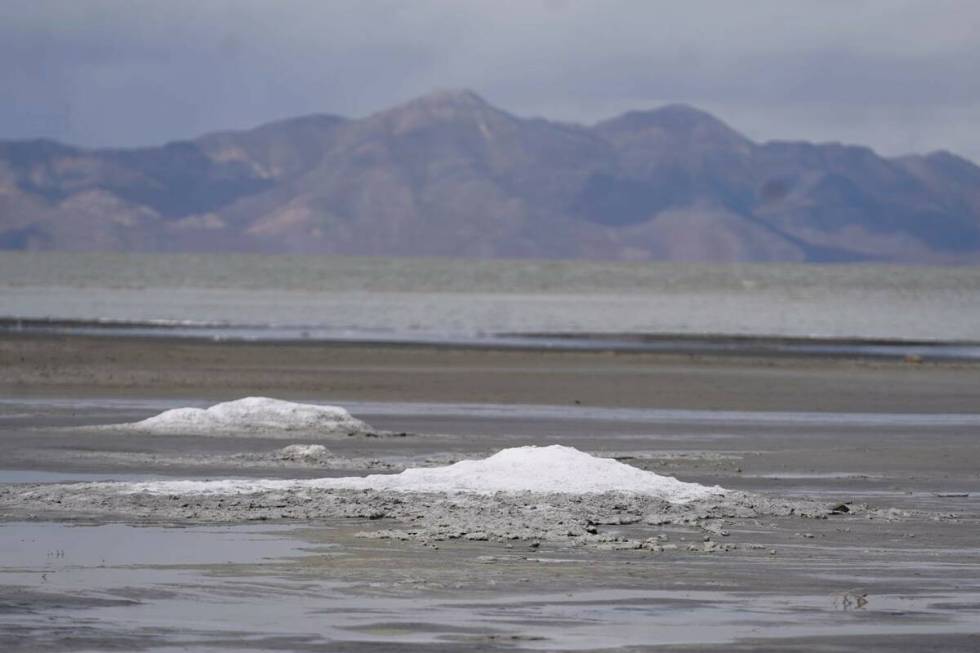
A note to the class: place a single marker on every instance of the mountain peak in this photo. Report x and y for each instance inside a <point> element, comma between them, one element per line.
<point>454,96</point>
<point>683,115</point>
<point>676,119</point>
<point>458,106</point>
<point>446,101</point>
<point>948,158</point>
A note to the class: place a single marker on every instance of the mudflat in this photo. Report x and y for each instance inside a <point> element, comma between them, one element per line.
<point>127,366</point>
<point>862,536</point>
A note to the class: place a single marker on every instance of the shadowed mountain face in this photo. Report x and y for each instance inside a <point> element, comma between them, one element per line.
<point>449,174</point>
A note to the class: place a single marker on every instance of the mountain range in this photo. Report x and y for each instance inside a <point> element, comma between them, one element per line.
<point>448,174</point>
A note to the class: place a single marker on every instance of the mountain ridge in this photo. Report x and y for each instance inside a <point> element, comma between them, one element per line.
<point>448,173</point>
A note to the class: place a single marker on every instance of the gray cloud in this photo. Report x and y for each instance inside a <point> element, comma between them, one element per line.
<point>895,74</point>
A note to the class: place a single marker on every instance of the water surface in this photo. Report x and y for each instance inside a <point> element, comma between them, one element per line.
<point>440,299</point>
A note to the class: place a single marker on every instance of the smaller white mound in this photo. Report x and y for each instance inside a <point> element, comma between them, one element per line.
<point>257,416</point>
<point>303,452</point>
<point>553,469</point>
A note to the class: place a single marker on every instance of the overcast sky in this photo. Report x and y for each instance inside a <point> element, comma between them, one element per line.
<point>899,75</point>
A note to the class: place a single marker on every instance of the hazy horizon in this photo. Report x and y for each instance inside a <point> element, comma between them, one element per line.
<point>895,76</point>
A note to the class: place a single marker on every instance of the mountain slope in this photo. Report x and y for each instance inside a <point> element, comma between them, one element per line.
<point>449,174</point>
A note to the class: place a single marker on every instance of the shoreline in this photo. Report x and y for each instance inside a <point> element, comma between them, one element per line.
<point>49,364</point>
<point>700,344</point>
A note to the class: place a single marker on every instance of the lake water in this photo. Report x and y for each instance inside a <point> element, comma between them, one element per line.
<point>445,299</point>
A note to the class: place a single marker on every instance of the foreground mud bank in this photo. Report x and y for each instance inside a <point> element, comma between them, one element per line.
<point>427,517</point>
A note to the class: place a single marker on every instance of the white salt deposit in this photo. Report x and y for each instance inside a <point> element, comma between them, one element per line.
<point>254,416</point>
<point>304,451</point>
<point>555,468</point>
<point>552,469</point>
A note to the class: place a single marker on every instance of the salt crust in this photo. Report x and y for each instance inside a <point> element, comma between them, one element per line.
<point>254,416</point>
<point>552,469</point>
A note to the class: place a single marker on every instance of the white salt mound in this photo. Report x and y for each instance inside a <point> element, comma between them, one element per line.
<point>254,416</point>
<point>552,469</point>
<point>303,452</point>
<point>556,468</point>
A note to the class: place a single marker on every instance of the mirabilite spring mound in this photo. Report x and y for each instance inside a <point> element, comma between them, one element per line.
<point>554,493</point>
<point>254,416</point>
<point>554,469</point>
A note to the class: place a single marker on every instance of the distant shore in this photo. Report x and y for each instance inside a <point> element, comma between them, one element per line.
<point>908,350</point>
